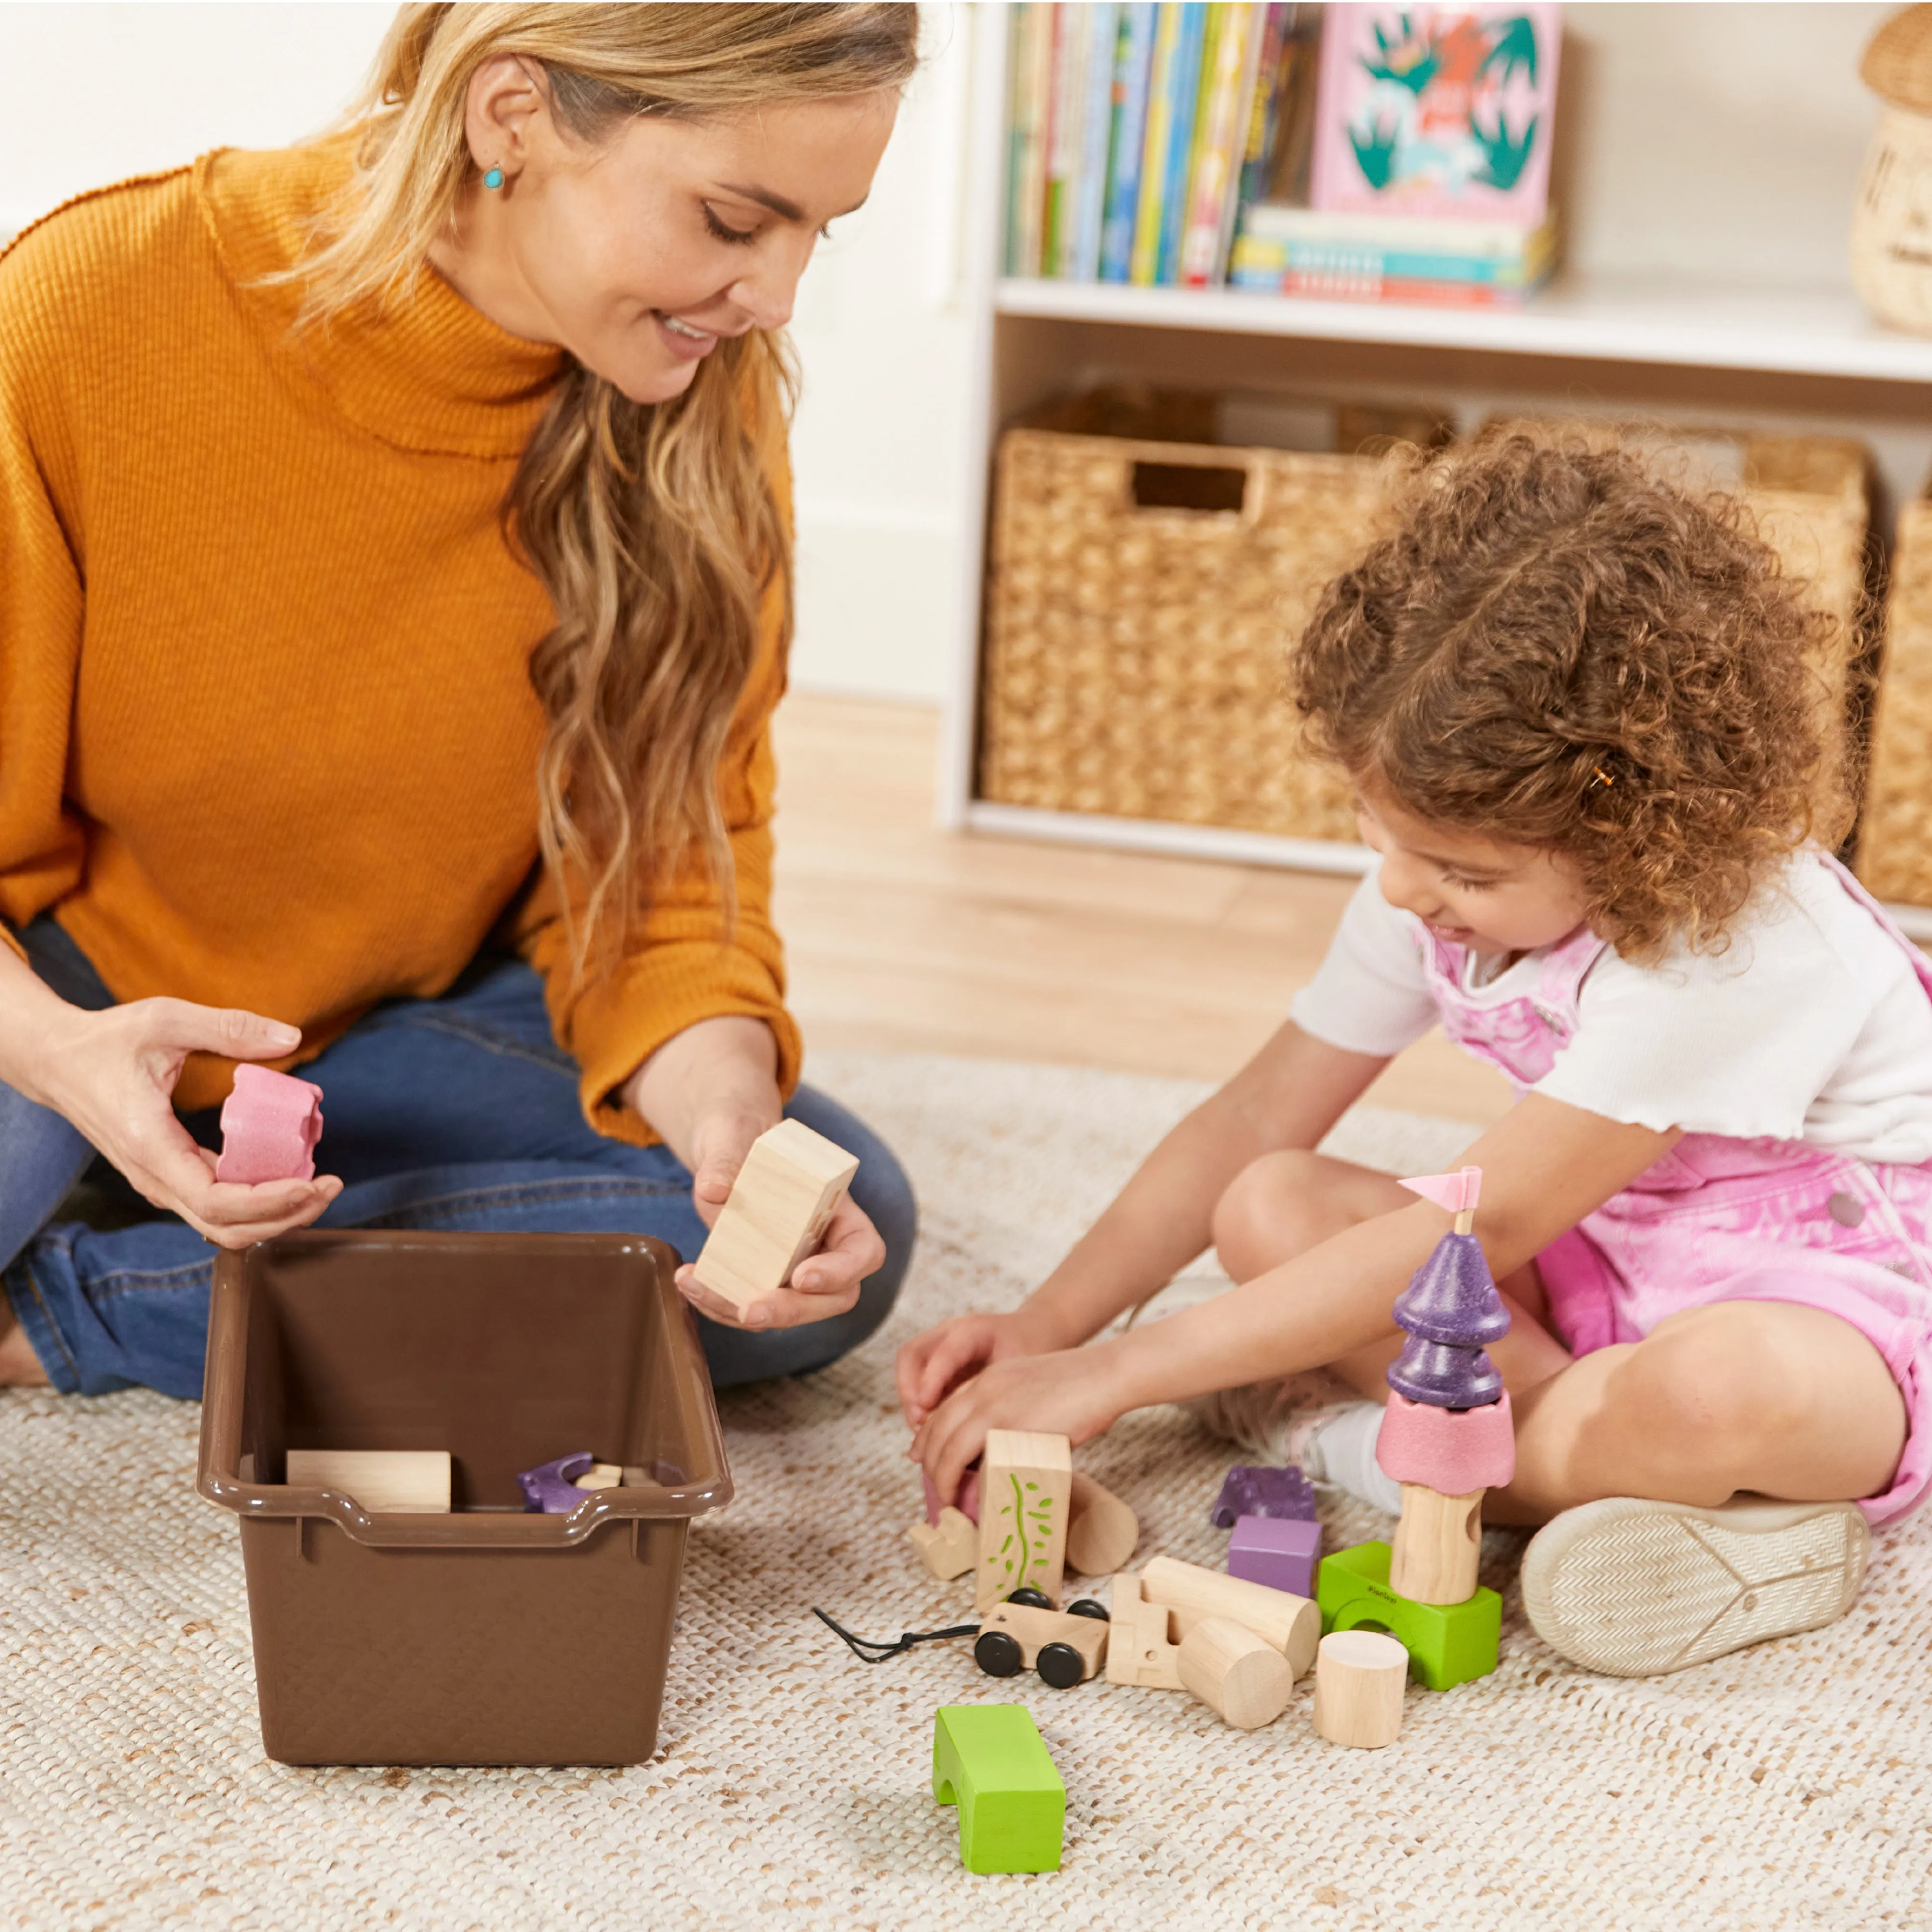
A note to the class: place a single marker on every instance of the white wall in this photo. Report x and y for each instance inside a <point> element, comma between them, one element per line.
<point>97,92</point>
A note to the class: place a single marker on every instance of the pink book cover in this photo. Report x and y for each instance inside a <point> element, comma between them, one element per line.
<point>1441,111</point>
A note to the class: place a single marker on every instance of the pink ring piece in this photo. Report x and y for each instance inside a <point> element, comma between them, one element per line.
<point>270,1124</point>
<point>1449,1450</point>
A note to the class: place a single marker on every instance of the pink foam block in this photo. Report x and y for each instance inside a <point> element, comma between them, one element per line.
<point>270,1124</point>
<point>968,1505</point>
<point>1449,1450</point>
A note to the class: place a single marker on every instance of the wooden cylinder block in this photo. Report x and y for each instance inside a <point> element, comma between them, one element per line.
<point>1438,1546</point>
<point>1232,1671</point>
<point>1101,1530</point>
<point>1359,1676</point>
<point>1292,1624</point>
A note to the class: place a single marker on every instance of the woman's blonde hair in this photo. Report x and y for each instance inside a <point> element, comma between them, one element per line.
<point>1554,647</point>
<point>652,526</point>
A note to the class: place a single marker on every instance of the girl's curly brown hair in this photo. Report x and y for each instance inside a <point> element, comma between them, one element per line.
<point>1556,648</point>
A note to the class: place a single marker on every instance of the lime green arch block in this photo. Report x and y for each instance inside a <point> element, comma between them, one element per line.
<point>1448,1643</point>
<point>990,1760</point>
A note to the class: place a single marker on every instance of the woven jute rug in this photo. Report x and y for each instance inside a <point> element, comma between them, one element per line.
<point>1787,1786</point>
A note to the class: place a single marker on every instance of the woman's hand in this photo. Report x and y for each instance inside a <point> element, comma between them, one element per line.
<point>711,1090</point>
<point>112,1075</point>
<point>1071,1392</point>
<point>931,1366</point>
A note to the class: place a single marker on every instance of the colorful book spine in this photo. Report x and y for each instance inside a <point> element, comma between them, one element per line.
<point>1267,265</point>
<point>1264,104</point>
<point>1133,64</point>
<point>1429,295</point>
<point>1032,112</point>
<point>1101,21</point>
<point>1144,270</point>
<point>1185,89</point>
<point>1069,97</point>
<point>1226,92</point>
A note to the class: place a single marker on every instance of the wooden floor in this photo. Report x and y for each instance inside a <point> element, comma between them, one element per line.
<point>903,936</point>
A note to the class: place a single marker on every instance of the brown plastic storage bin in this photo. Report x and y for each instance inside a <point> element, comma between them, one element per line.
<point>487,1636</point>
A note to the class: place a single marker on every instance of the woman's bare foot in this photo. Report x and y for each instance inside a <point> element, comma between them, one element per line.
<point>19,1366</point>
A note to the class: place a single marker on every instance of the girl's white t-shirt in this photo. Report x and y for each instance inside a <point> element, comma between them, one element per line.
<point>1812,1026</point>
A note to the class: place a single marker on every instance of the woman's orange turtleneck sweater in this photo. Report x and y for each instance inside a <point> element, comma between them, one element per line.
<point>267,733</point>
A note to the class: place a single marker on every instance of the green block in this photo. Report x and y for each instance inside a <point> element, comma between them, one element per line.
<point>1448,1643</point>
<point>989,1760</point>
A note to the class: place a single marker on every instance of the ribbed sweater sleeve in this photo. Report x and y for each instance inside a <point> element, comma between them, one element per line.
<point>42,845</point>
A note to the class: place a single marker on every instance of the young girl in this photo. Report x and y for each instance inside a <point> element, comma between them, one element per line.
<point>1585,718</point>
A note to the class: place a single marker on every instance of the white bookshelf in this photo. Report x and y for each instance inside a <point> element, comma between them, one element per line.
<point>1721,350</point>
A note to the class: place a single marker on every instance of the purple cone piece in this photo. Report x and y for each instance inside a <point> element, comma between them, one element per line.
<point>551,1488</point>
<point>1452,1298</point>
<point>1445,1377</point>
<point>1286,1494</point>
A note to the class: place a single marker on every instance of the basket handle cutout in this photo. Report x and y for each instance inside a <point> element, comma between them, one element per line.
<point>1185,486</point>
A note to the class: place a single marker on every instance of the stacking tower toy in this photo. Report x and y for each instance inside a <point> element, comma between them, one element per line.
<point>1446,1437</point>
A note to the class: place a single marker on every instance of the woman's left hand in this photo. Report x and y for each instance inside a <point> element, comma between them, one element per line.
<point>1071,1392</point>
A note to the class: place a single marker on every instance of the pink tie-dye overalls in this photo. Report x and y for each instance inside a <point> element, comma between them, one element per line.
<point>1721,1219</point>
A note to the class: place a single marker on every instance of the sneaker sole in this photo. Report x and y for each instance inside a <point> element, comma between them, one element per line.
<point>1635,1588</point>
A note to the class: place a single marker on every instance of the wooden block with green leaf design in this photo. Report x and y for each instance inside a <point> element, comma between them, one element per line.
<point>1025,1483</point>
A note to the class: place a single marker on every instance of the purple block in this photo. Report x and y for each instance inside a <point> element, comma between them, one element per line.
<point>551,1488</point>
<point>1285,1493</point>
<point>1281,1552</point>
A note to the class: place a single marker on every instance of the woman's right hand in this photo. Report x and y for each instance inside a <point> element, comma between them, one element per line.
<point>112,1075</point>
<point>931,1366</point>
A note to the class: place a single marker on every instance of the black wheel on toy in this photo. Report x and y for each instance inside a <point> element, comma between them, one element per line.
<point>1085,1606</point>
<point>1061,1665</point>
<point>1034,1600</point>
<point>997,1654</point>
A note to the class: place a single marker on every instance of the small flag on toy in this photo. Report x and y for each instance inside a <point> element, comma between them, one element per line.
<point>1457,1192</point>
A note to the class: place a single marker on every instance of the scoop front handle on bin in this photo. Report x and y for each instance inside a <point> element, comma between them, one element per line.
<point>218,1478</point>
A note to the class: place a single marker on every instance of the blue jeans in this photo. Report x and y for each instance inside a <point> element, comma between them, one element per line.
<point>458,1113</point>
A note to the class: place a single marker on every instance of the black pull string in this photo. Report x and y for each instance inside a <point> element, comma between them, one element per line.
<point>877,1649</point>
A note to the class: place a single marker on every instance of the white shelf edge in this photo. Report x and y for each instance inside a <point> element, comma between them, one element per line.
<point>1792,332</point>
<point>1914,921</point>
<point>1169,839</point>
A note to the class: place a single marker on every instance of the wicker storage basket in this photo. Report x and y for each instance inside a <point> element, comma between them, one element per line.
<point>1895,838</point>
<point>1142,596</point>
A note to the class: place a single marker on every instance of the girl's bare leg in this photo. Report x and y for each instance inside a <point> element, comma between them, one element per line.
<point>1768,1396</point>
<point>1284,1203</point>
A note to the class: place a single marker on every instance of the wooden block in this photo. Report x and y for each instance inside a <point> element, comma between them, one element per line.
<point>1359,1676</point>
<point>1141,1652</point>
<point>601,1476</point>
<point>1437,1547</point>
<point>383,1481</point>
<point>1232,1671</point>
<point>1033,1629</point>
<point>990,1761</point>
<point>1026,1482</point>
<point>784,1195</point>
<point>1101,1529</point>
<point>1292,1624</point>
<point>1281,1553</point>
<point>948,1548</point>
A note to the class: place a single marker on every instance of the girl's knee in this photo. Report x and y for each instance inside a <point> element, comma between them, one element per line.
<point>1731,1381</point>
<point>1272,1210</point>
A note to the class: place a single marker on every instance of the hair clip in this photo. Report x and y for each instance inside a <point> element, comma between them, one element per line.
<point>1602,776</point>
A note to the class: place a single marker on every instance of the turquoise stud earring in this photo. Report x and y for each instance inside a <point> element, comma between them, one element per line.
<point>494,178</point>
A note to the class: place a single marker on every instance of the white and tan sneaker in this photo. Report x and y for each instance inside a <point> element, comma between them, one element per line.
<point>1635,1589</point>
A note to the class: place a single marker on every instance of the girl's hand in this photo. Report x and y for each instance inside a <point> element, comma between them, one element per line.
<point>931,1366</point>
<point>823,1285</point>
<point>112,1075</point>
<point>1071,1392</point>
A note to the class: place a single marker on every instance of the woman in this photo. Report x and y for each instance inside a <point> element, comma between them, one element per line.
<point>394,597</point>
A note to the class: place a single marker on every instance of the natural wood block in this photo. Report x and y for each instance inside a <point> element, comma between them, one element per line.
<point>601,1476</point>
<point>1026,1481</point>
<point>1140,1652</point>
<point>948,1548</point>
<point>1232,1671</point>
<point>1359,1677</point>
<point>1438,1546</point>
<point>1292,1624</point>
<point>383,1481</point>
<point>779,1206</point>
<point>1101,1529</point>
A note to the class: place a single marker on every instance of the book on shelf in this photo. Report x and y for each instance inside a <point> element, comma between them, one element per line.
<point>1179,144</point>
